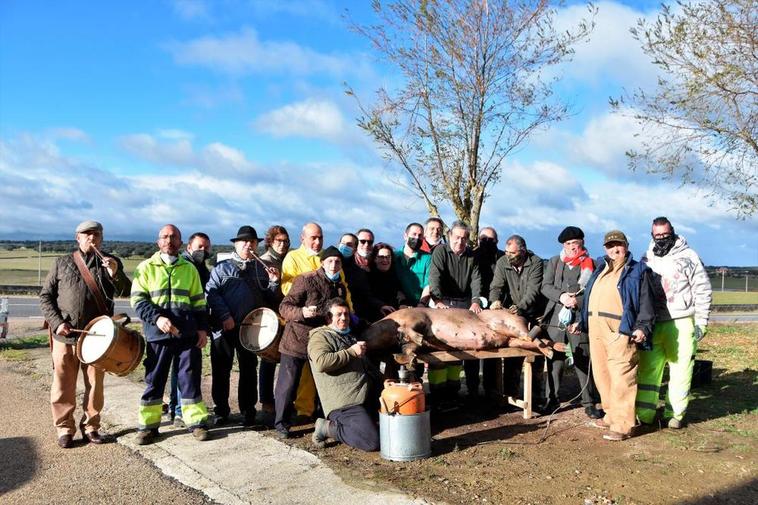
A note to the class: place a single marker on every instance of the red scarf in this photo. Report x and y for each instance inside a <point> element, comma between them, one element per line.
<point>582,259</point>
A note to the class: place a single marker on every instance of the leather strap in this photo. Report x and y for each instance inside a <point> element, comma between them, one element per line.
<point>90,281</point>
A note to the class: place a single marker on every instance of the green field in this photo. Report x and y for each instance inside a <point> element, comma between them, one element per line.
<point>21,267</point>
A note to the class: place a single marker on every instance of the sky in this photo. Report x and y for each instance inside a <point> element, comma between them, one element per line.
<point>216,114</point>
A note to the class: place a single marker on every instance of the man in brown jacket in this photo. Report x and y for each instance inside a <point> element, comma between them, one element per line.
<point>68,304</point>
<point>304,308</point>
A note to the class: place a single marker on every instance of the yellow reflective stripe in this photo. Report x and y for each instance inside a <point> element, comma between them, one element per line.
<point>437,376</point>
<point>194,412</point>
<point>454,372</point>
<point>150,416</point>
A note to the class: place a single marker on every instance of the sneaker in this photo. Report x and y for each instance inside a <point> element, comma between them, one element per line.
<point>145,437</point>
<point>283,433</point>
<point>200,433</point>
<point>178,422</point>
<point>615,436</point>
<point>320,434</point>
<point>675,424</point>
<point>220,420</point>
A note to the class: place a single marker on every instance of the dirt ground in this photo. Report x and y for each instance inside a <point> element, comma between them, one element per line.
<point>481,456</point>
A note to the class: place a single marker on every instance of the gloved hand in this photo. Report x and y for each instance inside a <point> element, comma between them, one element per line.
<point>700,332</point>
<point>496,305</point>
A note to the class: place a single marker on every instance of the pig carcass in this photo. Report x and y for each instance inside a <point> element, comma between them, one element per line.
<point>453,329</point>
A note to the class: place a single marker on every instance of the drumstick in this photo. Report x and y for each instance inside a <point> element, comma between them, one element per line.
<point>265,266</point>
<point>87,332</point>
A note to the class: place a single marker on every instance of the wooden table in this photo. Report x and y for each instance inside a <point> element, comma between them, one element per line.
<point>507,352</point>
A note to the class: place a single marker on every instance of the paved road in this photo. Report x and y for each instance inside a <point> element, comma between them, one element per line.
<point>28,306</point>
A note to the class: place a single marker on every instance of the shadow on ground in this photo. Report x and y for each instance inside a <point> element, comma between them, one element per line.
<point>746,493</point>
<point>18,461</point>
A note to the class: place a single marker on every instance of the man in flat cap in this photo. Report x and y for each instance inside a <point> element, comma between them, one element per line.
<point>563,282</point>
<point>80,287</point>
<point>236,287</point>
<point>304,308</point>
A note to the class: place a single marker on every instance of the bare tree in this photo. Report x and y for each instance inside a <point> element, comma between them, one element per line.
<point>701,123</point>
<point>472,88</point>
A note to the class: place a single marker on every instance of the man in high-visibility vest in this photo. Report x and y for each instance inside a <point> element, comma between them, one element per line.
<point>168,297</point>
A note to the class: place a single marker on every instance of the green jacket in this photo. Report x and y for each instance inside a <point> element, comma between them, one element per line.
<point>520,289</point>
<point>342,378</point>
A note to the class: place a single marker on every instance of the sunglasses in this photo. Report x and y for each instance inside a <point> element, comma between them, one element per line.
<point>365,241</point>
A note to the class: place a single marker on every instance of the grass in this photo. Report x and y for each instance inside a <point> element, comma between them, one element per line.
<point>17,349</point>
<point>734,298</point>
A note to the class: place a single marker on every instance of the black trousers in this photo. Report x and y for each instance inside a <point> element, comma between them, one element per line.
<point>555,367</point>
<point>353,426</point>
<point>489,369</point>
<point>222,357</point>
<point>290,369</point>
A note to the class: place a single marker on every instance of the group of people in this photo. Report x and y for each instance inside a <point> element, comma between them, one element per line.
<point>623,320</point>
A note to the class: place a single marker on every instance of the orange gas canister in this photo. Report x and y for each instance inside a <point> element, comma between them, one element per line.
<point>402,398</point>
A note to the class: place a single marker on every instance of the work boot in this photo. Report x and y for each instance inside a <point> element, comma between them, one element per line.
<point>95,437</point>
<point>615,436</point>
<point>200,433</point>
<point>248,418</point>
<point>145,437</point>
<point>320,433</point>
<point>594,412</point>
<point>178,422</point>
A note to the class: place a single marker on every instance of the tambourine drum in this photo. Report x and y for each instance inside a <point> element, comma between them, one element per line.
<point>260,333</point>
<point>110,346</point>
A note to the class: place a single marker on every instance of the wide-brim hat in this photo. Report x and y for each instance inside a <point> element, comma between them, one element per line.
<point>245,233</point>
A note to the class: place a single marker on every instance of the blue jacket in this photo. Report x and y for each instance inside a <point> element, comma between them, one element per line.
<point>233,292</point>
<point>636,290</point>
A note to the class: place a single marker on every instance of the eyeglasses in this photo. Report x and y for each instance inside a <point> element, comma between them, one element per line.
<point>281,241</point>
<point>383,258</point>
<point>365,241</point>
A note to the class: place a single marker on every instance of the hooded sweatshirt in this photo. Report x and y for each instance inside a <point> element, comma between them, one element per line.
<point>680,283</point>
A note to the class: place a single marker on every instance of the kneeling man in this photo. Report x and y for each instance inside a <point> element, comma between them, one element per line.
<point>344,381</point>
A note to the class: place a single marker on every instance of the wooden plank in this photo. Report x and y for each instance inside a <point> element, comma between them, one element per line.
<point>445,356</point>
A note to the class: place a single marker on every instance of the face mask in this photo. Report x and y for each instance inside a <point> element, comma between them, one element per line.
<point>414,243</point>
<point>488,247</point>
<point>565,317</point>
<point>168,259</point>
<point>332,277</point>
<point>343,332</point>
<point>311,252</point>
<point>345,250</point>
<point>364,254</point>
<point>199,256</point>
<point>663,245</point>
<point>433,242</point>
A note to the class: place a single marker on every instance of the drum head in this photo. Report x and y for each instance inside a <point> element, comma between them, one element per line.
<point>258,329</point>
<point>96,343</point>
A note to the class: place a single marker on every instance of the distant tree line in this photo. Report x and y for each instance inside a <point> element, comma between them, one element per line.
<point>123,249</point>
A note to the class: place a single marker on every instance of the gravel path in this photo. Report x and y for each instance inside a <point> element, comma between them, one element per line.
<point>33,469</point>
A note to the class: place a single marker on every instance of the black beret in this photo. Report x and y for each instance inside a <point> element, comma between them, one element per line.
<point>571,233</point>
<point>329,252</point>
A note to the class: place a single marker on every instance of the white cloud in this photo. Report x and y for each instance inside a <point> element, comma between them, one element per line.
<point>190,9</point>
<point>244,53</point>
<point>69,133</point>
<point>309,118</point>
<point>611,51</point>
<point>604,142</point>
<point>178,152</point>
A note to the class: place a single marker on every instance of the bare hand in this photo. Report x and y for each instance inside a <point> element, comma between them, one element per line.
<point>440,305</point>
<point>638,336</point>
<point>227,324</point>
<point>358,348</point>
<point>573,328</point>
<point>513,309</point>
<point>496,305</point>
<point>310,311</point>
<point>202,339</point>
<point>387,309</point>
<point>568,300</point>
<point>273,274</point>
<point>63,329</point>
<point>475,308</point>
<point>111,265</point>
<point>166,326</point>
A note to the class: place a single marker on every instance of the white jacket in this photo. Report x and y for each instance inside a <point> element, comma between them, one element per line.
<point>681,284</point>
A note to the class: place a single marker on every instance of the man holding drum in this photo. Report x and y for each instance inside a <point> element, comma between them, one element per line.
<point>236,287</point>
<point>169,299</point>
<point>79,288</point>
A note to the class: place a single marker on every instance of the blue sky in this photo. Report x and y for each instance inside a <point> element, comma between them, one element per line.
<point>214,114</point>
